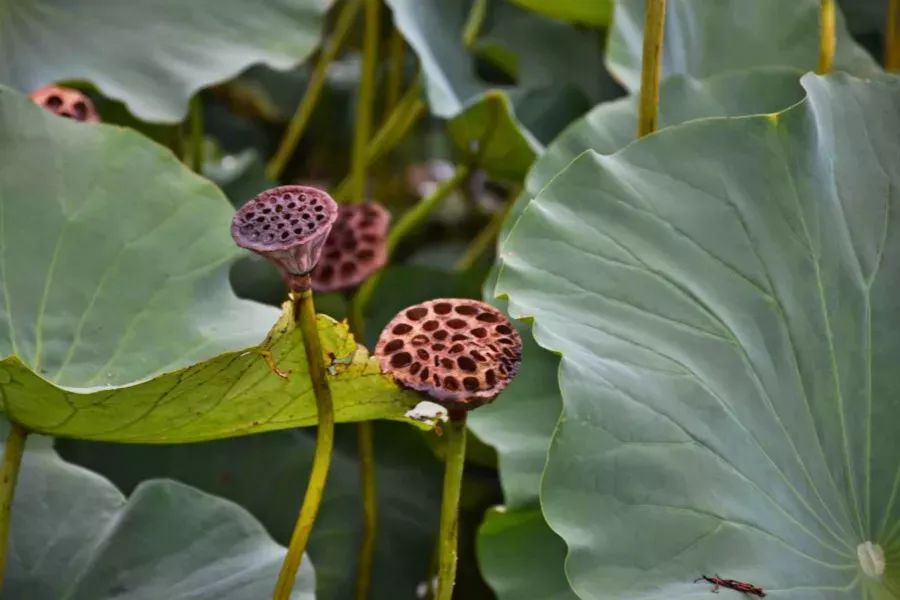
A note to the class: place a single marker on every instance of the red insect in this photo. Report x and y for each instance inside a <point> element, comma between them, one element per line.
<point>732,584</point>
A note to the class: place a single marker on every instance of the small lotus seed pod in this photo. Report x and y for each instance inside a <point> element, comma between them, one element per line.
<point>288,225</point>
<point>355,247</point>
<point>66,102</point>
<point>461,353</point>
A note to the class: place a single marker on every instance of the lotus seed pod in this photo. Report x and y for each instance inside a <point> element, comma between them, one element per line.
<point>288,225</point>
<point>356,247</point>
<point>66,102</point>
<point>461,353</point>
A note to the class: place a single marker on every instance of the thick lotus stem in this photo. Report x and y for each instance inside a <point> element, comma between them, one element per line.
<point>461,354</point>
<point>304,111</point>
<point>9,474</point>
<point>448,537</point>
<point>305,315</point>
<point>827,37</point>
<point>651,67</point>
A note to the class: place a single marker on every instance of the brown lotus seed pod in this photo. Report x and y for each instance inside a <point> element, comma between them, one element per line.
<point>460,352</point>
<point>288,225</point>
<point>66,102</point>
<point>355,248</point>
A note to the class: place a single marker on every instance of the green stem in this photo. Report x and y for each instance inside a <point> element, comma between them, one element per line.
<point>474,22</point>
<point>827,38</point>
<point>395,69</point>
<point>417,215</point>
<point>892,37</point>
<point>304,111</point>
<point>651,66</point>
<point>9,474</point>
<point>365,101</point>
<point>196,149</point>
<point>366,450</point>
<point>487,236</point>
<point>396,126</point>
<point>305,317</point>
<point>411,220</point>
<point>448,538</point>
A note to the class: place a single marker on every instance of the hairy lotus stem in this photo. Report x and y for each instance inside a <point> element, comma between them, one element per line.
<point>289,225</point>
<point>354,250</point>
<point>304,111</point>
<point>305,316</point>
<point>827,37</point>
<point>66,102</point>
<point>651,66</point>
<point>9,474</point>
<point>461,354</point>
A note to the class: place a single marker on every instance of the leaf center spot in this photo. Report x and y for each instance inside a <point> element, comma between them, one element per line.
<point>871,559</point>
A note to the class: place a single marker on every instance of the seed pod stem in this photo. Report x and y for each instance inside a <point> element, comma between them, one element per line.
<point>449,529</point>
<point>305,316</point>
<point>9,474</point>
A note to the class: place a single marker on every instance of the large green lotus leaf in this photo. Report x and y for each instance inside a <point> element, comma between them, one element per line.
<point>611,126</point>
<point>589,12</point>
<point>522,437</point>
<point>723,295</point>
<point>520,422</point>
<point>235,393</point>
<point>705,37</point>
<point>408,484</point>
<point>152,54</point>
<point>515,548</point>
<point>518,551</point>
<point>74,535</point>
<point>114,266</point>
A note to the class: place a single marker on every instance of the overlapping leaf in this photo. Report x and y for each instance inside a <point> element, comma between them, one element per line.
<point>152,54</point>
<point>74,535</point>
<point>612,125</point>
<point>481,115</point>
<point>408,485</point>
<point>114,269</point>
<point>521,428</point>
<point>706,37</point>
<point>723,296</point>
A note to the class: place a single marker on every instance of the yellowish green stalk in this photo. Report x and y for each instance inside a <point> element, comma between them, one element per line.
<point>406,224</point>
<point>304,111</point>
<point>448,536</point>
<point>827,37</point>
<point>892,37</point>
<point>651,66</point>
<point>366,451</point>
<point>396,63</point>
<point>9,475</point>
<point>196,145</point>
<point>365,101</point>
<point>474,23</point>
<point>305,316</point>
